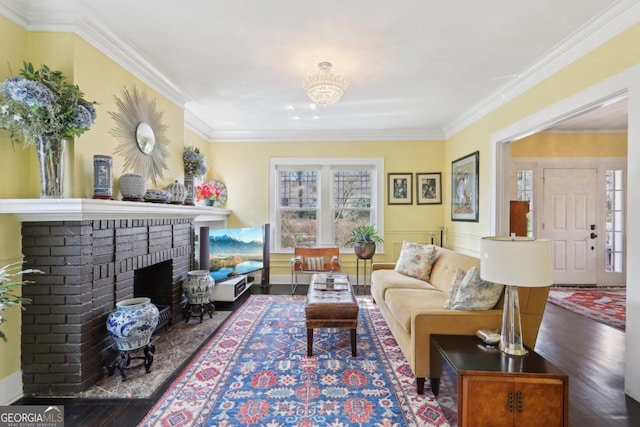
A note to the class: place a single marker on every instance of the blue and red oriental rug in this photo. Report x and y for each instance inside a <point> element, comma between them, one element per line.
<point>605,305</point>
<point>255,371</point>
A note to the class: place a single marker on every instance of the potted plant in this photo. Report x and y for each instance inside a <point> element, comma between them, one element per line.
<point>364,239</point>
<point>195,166</point>
<point>8,282</point>
<point>194,162</point>
<point>208,192</point>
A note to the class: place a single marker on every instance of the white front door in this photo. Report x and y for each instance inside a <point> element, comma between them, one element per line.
<point>570,223</point>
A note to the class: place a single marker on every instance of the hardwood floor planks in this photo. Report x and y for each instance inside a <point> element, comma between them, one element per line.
<point>590,352</point>
<point>593,356</point>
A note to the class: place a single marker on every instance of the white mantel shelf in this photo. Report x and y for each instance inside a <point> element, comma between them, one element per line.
<point>33,210</point>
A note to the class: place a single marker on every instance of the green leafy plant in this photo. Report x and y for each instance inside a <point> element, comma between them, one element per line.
<point>41,101</point>
<point>8,275</point>
<point>364,233</point>
<point>194,162</point>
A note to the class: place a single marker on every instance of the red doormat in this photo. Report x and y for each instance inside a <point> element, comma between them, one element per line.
<point>605,305</point>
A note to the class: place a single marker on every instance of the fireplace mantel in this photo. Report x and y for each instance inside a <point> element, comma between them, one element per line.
<point>34,210</point>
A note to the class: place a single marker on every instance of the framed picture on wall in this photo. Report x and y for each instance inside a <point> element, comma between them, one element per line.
<point>400,188</point>
<point>428,188</point>
<point>464,188</point>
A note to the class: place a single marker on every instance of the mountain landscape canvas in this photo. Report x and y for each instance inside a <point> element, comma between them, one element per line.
<point>234,251</point>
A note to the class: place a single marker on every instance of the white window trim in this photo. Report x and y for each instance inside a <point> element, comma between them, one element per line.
<point>377,180</point>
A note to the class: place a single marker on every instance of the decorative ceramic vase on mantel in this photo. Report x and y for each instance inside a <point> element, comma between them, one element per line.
<point>190,187</point>
<point>50,160</point>
<point>102,177</point>
<point>133,323</point>
<point>178,193</point>
<point>133,187</point>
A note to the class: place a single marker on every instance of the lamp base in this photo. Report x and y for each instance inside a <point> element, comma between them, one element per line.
<point>511,335</point>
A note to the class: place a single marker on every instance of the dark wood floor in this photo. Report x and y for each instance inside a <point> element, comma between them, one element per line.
<point>591,353</point>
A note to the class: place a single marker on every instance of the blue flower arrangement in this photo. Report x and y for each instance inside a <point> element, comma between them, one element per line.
<point>41,102</point>
<point>194,162</point>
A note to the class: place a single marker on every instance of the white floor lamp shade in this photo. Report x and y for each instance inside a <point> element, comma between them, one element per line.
<point>515,262</point>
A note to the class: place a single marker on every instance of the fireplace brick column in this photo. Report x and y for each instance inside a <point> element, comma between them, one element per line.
<point>88,266</point>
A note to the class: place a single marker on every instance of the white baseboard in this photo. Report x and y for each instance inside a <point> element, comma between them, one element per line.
<point>11,388</point>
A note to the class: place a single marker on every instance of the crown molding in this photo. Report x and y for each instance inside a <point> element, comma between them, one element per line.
<point>16,11</point>
<point>196,125</point>
<point>41,15</point>
<point>72,16</point>
<point>596,32</point>
<point>121,52</point>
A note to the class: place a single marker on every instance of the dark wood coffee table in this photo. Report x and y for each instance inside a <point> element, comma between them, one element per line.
<point>331,308</point>
<point>492,388</point>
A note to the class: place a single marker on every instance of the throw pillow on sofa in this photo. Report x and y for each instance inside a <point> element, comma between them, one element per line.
<point>416,260</point>
<point>453,290</point>
<point>475,293</point>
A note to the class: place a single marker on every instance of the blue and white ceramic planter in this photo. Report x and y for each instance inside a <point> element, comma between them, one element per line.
<point>133,323</point>
<point>102,177</point>
<point>178,193</point>
<point>132,186</point>
<point>198,287</point>
<point>190,188</point>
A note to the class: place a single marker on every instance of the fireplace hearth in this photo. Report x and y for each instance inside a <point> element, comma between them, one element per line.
<point>89,250</point>
<point>89,266</point>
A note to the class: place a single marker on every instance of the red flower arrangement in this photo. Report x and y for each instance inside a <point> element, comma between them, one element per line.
<point>207,191</point>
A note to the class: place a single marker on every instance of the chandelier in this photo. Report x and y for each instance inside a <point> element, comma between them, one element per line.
<point>325,88</point>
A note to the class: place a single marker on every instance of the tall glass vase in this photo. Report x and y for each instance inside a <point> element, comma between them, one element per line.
<point>50,160</point>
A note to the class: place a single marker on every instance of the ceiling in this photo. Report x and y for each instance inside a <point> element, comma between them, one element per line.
<point>417,69</point>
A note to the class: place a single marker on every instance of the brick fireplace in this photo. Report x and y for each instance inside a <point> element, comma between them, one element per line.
<point>90,262</point>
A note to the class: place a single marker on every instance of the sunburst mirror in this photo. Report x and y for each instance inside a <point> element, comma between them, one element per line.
<point>139,128</point>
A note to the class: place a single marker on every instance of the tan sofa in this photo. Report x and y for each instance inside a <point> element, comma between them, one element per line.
<point>414,309</point>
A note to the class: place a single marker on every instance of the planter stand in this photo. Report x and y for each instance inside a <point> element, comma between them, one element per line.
<point>197,310</point>
<point>121,359</point>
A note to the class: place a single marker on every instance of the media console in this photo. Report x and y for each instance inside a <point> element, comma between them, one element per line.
<point>231,289</point>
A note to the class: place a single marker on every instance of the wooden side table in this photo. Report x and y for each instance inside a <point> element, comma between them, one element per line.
<point>494,389</point>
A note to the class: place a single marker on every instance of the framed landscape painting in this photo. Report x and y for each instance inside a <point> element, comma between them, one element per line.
<point>464,188</point>
<point>428,188</point>
<point>400,188</point>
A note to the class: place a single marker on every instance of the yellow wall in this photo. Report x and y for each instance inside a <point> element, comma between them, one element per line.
<point>193,139</point>
<point>13,169</point>
<point>244,168</point>
<point>571,145</point>
<point>100,79</point>
<point>609,59</point>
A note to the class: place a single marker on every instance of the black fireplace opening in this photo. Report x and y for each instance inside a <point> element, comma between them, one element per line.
<point>156,282</point>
